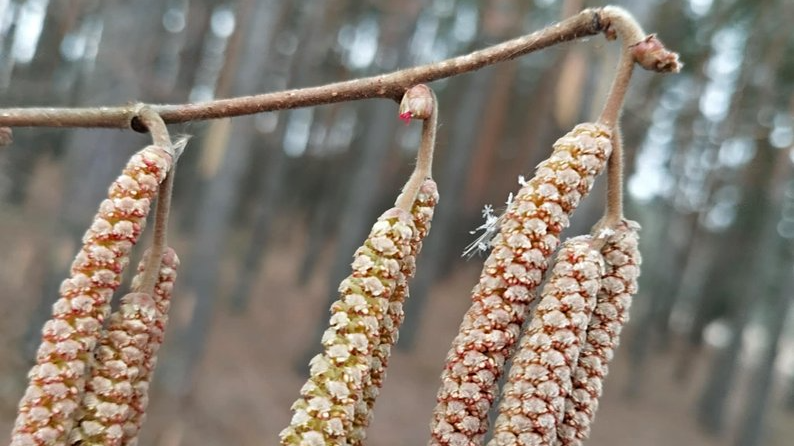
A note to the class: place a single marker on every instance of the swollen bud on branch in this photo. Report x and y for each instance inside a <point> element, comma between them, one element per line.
<point>651,54</point>
<point>619,283</point>
<point>534,395</point>
<point>417,103</point>
<point>57,381</point>
<point>324,413</point>
<point>528,234</point>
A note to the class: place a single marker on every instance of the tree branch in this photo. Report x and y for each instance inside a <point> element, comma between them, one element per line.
<point>610,20</point>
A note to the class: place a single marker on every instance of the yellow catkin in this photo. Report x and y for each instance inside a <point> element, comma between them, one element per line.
<point>619,283</point>
<point>422,214</point>
<point>324,413</point>
<point>533,398</point>
<point>528,234</point>
<point>57,381</point>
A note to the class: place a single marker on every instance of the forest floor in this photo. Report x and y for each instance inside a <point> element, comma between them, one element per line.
<point>249,375</point>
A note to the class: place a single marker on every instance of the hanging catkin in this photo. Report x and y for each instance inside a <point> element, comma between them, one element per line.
<point>324,413</point>
<point>534,395</point>
<point>528,234</point>
<point>119,360</point>
<point>112,408</point>
<point>57,381</point>
<point>162,301</point>
<point>422,214</point>
<point>619,283</point>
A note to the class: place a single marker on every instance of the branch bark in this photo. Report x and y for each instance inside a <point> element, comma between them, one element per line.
<point>612,21</point>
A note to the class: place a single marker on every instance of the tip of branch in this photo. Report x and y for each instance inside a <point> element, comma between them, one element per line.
<point>652,55</point>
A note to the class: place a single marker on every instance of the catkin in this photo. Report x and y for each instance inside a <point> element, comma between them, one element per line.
<point>324,413</point>
<point>422,215</point>
<point>619,283</point>
<point>534,395</point>
<point>57,380</point>
<point>162,300</point>
<point>528,234</point>
<point>119,360</point>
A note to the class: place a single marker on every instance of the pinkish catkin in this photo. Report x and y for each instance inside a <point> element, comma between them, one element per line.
<point>528,235</point>
<point>162,300</point>
<point>533,398</point>
<point>619,283</point>
<point>112,409</point>
<point>57,381</point>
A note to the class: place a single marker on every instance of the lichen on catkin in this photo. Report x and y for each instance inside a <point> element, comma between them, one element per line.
<point>162,300</point>
<point>528,234</point>
<point>422,215</point>
<point>619,283</point>
<point>57,380</point>
<point>324,413</point>
<point>533,398</point>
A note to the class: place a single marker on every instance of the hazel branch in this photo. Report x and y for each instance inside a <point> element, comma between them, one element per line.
<point>649,53</point>
<point>613,21</point>
<point>161,138</point>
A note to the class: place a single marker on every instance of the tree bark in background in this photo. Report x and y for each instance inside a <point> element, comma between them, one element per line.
<point>216,206</point>
<point>779,289</point>
<point>313,43</point>
<point>755,236</point>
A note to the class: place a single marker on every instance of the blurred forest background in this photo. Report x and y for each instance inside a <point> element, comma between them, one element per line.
<point>269,208</point>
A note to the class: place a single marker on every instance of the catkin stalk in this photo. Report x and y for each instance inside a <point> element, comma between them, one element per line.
<point>539,381</point>
<point>619,283</point>
<point>528,234</point>
<point>57,381</point>
<point>324,413</point>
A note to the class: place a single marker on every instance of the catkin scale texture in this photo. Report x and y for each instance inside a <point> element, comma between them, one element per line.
<point>111,411</point>
<point>422,215</point>
<point>611,313</point>
<point>539,380</point>
<point>528,234</point>
<point>324,413</point>
<point>163,289</point>
<point>57,380</point>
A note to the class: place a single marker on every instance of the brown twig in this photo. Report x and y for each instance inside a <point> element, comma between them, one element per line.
<point>648,52</point>
<point>155,125</point>
<point>610,20</point>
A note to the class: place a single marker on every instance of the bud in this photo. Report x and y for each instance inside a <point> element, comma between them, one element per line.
<point>651,54</point>
<point>417,103</point>
<point>528,234</point>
